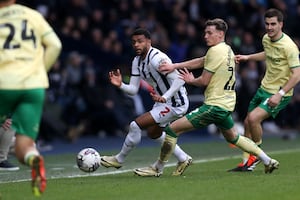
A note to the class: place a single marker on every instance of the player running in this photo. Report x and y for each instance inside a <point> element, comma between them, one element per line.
<point>29,47</point>
<point>170,96</point>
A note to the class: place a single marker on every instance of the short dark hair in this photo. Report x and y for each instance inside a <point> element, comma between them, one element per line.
<point>272,12</point>
<point>141,31</point>
<point>220,24</point>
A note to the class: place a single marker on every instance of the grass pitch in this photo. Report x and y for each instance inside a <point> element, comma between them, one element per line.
<point>207,178</point>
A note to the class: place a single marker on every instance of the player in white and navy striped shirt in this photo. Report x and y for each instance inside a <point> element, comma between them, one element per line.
<point>169,94</point>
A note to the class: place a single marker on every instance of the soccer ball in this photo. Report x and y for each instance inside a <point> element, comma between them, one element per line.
<point>88,160</point>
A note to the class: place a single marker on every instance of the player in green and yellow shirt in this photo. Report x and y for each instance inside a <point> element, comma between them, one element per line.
<point>218,77</point>
<point>281,55</point>
<point>28,48</point>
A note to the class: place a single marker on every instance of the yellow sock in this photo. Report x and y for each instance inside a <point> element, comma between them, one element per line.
<point>245,156</point>
<point>248,145</point>
<point>167,148</point>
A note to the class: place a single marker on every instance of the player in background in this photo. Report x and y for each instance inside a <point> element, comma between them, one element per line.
<point>281,55</point>
<point>218,77</point>
<point>170,96</point>
<point>29,47</point>
<point>6,138</point>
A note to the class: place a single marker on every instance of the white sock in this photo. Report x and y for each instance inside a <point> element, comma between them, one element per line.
<point>132,139</point>
<point>178,152</point>
<point>264,158</point>
<point>158,165</point>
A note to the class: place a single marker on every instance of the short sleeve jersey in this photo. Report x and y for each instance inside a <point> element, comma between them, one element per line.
<point>281,56</point>
<point>21,49</point>
<point>220,91</point>
<point>147,70</point>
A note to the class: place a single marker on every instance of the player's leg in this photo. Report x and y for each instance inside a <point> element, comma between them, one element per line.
<point>248,145</point>
<point>250,161</point>
<point>6,137</point>
<point>27,154</point>
<point>227,128</point>
<point>6,134</point>
<point>184,160</point>
<point>196,119</point>
<point>30,103</point>
<point>155,131</point>
<point>172,132</point>
<point>254,120</point>
<point>163,115</point>
<point>132,139</point>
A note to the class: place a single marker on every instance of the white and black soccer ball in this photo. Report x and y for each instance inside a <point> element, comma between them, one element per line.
<point>88,160</point>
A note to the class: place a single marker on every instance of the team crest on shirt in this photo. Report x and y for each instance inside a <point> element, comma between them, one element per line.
<point>162,61</point>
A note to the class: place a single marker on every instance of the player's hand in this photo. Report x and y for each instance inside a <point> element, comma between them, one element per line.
<point>274,100</point>
<point>165,67</point>
<point>157,98</point>
<point>7,124</point>
<point>239,58</point>
<point>115,77</point>
<point>187,76</point>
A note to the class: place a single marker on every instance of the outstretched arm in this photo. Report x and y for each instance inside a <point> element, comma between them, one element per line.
<point>190,64</point>
<point>256,57</point>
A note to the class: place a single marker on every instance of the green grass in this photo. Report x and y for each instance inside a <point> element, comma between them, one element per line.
<point>205,179</point>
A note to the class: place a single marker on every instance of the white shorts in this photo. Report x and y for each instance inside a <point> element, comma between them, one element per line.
<point>163,113</point>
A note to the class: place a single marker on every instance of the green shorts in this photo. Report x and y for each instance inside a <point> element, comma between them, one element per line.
<point>260,100</point>
<point>207,114</point>
<point>25,107</point>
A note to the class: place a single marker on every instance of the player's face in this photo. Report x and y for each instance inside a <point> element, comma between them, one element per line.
<point>213,36</point>
<point>140,44</point>
<point>273,28</point>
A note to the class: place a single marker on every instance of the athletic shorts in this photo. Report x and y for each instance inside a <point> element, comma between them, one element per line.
<point>25,107</point>
<point>260,99</point>
<point>163,114</point>
<point>206,114</point>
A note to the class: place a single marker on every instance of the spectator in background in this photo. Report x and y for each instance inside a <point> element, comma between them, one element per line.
<point>105,114</point>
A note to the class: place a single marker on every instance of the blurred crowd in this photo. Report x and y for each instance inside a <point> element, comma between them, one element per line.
<point>95,36</point>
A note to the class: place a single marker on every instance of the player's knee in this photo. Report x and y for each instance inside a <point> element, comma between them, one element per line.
<point>252,119</point>
<point>134,134</point>
<point>154,132</point>
<point>134,127</point>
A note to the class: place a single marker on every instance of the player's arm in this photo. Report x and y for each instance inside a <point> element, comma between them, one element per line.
<point>292,82</point>
<point>189,64</point>
<point>176,85</point>
<point>189,78</point>
<point>255,57</point>
<point>132,88</point>
<point>53,46</point>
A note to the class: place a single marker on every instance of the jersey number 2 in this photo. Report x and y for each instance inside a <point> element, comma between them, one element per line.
<point>24,35</point>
